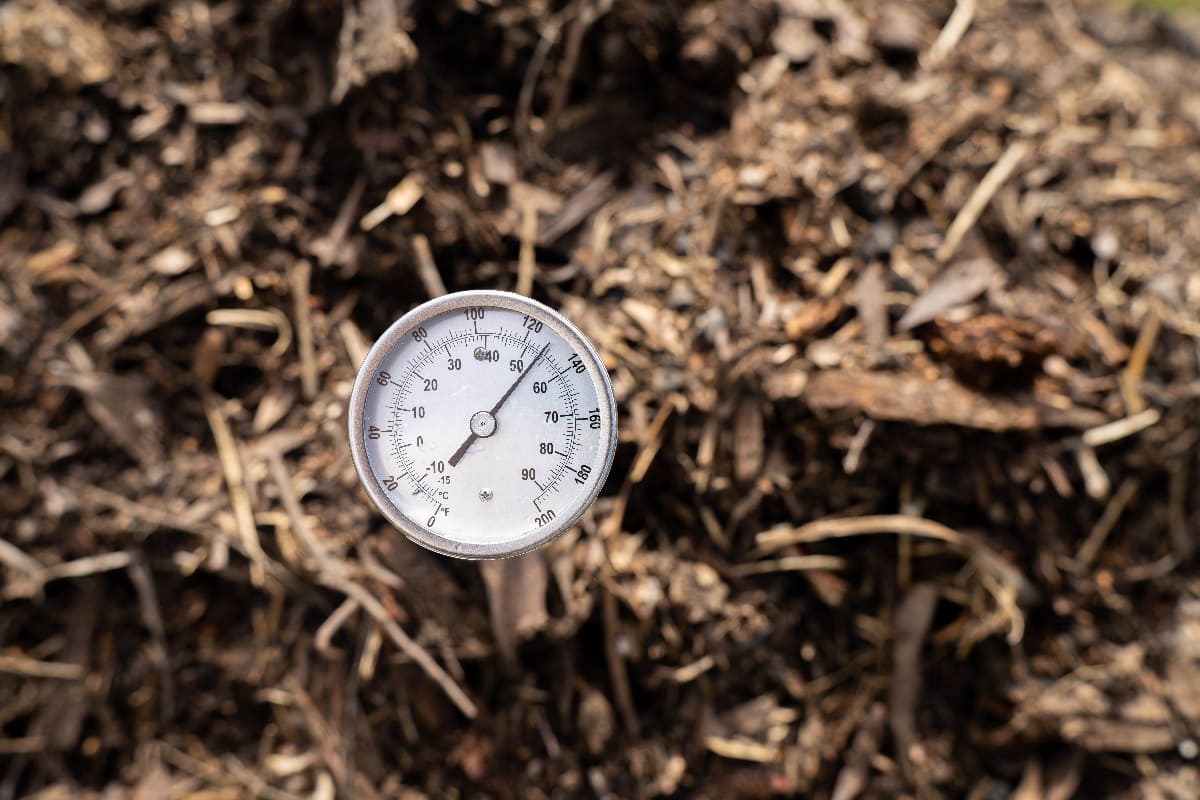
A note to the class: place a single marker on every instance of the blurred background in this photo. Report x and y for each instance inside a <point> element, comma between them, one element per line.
<point>902,307</point>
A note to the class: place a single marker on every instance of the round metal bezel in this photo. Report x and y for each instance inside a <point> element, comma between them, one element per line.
<point>392,337</point>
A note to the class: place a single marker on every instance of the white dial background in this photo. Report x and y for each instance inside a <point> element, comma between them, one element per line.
<point>550,445</point>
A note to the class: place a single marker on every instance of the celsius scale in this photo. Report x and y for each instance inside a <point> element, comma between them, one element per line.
<point>482,424</point>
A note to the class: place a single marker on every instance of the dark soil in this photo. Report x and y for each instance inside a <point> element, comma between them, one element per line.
<point>902,307</point>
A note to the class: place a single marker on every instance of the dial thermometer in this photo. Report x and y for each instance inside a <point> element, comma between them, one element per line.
<point>482,424</point>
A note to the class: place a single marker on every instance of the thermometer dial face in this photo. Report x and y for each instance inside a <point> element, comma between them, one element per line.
<point>482,424</point>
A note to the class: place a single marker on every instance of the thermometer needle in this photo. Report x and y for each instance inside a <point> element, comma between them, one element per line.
<point>461,451</point>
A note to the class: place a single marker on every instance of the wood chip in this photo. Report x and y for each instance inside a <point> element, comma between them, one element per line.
<point>940,402</point>
<point>1120,429</point>
<point>1000,172</point>
<point>913,617</point>
<point>961,283</point>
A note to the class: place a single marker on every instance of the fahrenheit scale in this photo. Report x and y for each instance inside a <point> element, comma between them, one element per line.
<point>482,424</point>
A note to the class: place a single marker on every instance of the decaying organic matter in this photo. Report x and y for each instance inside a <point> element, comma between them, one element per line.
<point>902,309</point>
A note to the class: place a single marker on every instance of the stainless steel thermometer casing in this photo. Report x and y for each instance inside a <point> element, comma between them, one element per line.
<point>482,424</point>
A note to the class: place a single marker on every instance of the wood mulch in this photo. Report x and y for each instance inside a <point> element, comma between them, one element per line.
<point>901,302</point>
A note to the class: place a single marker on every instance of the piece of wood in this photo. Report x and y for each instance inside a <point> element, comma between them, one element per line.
<point>300,276</point>
<point>427,270</point>
<point>906,398</point>
<point>968,215</point>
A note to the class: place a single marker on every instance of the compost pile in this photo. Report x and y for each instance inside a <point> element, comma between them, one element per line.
<point>901,304</point>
